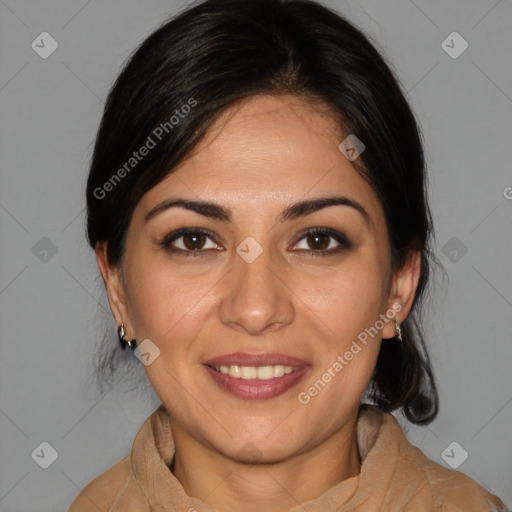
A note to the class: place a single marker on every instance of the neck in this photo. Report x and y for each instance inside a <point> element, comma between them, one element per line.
<point>225,484</point>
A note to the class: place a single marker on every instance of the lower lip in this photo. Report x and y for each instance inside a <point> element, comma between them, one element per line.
<point>256,389</point>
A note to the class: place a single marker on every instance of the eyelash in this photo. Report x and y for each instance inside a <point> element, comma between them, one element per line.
<point>166,243</point>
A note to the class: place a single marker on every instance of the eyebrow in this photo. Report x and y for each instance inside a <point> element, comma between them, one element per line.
<point>294,211</point>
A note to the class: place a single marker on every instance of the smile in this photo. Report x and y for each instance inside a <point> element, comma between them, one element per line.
<point>256,377</point>
<point>255,372</point>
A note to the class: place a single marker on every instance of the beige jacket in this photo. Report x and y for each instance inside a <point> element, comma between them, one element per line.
<point>395,476</point>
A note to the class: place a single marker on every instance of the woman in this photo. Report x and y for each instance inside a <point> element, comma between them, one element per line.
<point>257,205</point>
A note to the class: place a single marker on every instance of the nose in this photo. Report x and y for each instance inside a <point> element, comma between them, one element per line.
<point>256,298</point>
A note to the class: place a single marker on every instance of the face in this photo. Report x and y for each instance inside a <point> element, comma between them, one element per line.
<point>259,319</point>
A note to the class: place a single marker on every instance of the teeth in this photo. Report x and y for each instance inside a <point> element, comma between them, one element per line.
<point>278,370</point>
<point>248,372</point>
<point>234,371</point>
<point>255,372</point>
<point>265,372</point>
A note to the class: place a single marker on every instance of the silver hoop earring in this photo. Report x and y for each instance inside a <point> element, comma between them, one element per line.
<point>120,334</point>
<point>398,330</point>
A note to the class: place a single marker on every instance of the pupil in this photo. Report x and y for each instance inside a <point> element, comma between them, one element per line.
<point>313,240</point>
<point>196,240</point>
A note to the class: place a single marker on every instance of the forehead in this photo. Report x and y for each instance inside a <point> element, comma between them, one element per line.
<point>268,151</point>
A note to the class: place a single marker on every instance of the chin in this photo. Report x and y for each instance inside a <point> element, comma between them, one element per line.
<point>268,446</point>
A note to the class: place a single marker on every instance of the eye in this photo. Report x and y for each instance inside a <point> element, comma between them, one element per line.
<point>324,242</point>
<point>194,242</point>
<point>189,241</point>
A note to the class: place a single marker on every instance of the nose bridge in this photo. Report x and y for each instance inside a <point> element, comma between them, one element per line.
<point>256,298</point>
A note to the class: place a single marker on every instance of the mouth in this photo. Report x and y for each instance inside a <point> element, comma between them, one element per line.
<point>256,377</point>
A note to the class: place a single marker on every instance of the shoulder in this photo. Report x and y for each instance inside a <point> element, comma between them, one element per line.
<point>105,490</point>
<point>119,488</point>
<point>418,479</point>
<point>454,491</point>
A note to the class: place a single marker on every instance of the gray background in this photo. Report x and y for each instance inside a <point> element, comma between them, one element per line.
<point>53,311</point>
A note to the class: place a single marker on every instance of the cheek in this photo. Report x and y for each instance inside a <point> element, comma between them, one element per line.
<point>348,300</point>
<point>344,308</point>
<point>159,300</point>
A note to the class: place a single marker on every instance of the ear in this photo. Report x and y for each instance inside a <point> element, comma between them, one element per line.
<point>112,277</point>
<point>402,292</point>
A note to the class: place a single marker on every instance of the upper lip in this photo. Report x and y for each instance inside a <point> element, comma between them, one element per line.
<point>244,359</point>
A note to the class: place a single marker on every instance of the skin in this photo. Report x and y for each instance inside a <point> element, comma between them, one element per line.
<point>261,155</point>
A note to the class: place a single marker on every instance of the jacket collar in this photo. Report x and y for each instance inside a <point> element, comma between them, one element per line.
<point>379,438</point>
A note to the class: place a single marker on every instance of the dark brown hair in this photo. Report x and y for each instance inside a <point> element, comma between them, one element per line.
<point>218,52</point>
